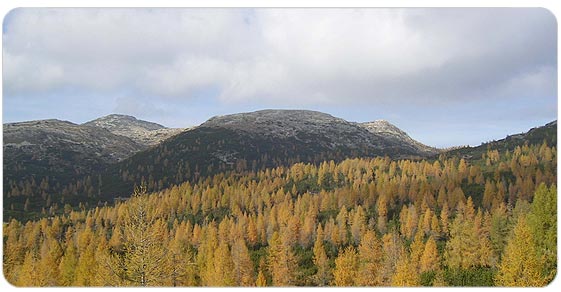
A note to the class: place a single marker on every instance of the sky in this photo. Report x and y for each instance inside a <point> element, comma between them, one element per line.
<point>447,77</point>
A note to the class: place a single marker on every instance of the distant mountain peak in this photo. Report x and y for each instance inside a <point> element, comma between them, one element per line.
<point>143,132</point>
<point>320,128</point>
<point>382,125</point>
<point>392,132</point>
<point>125,122</point>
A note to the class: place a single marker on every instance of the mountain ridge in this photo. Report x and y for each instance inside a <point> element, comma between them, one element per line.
<point>140,131</point>
<point>239,143</point>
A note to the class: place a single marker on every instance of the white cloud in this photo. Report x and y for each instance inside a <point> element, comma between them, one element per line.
<point>283,56</point>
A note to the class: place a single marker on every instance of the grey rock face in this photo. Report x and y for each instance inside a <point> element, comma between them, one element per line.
<point>45,138</point>
<point>321,128</point>
<point>142,132</point>
<point>391,132</point>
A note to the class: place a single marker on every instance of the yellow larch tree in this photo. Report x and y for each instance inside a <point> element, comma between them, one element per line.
<point>282,262</point>
<point>406,275</point>
<point>323,274</point>
<point>371,259</point>
<point>346,267</point>
<point>243,266</point>
<point>430,260</point>
<point>520,265</point>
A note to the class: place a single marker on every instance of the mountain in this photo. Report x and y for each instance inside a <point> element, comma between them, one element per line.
<point>57,145</point>
<point>538,135</point>
<point>393,133</point>
<point>254,141</point>
<point>323,129</point>
<point>142,132</point>
<point>48,164</point>
<point>44,157</point>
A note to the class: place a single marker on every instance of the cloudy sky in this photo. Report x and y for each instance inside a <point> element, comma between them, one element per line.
<point>446,76</point>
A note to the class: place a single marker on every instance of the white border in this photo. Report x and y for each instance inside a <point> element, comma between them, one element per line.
<point>551,5</point>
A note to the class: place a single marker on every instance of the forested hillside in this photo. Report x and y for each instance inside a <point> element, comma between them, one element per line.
<point>489,221</point>
<point>240,142</point>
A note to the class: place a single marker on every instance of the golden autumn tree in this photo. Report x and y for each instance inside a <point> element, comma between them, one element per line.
<point>430,260</point>
<point>85,269</point>
<point>243,267</point>
<point>223,267</point>
<point>542,221</point>
<point>406,274</point>
<point>67,266</point>
<point>282,262</point>
<point>346,267</point>
<point>417,249</point>
<point>323,274</point>
<point>144,260</point>
<point>261,280</point>
<point>28,276</point>
<point>521,265</point>
<point>371,259</point>
<point>462,249</point>
<point>392,246</point>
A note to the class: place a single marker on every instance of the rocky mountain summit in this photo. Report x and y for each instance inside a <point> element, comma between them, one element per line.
<point>44,137</point>
<point>142,132</point>
<point>391,132</point>
<point>323,129</point>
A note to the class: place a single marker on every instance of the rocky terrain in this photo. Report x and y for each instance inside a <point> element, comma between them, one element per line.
<point>142,132</point>
<point>393,133</point>
<point>38,138</point>
<point>323,129</point>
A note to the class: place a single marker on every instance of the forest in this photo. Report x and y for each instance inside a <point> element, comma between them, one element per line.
<point>448,221</point>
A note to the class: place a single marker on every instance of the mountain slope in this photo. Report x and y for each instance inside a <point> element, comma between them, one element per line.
<point>142,132</point>
<point>51,161</point>
<point>253,141</point>
<point>393,133</point>
<point>42,157</point>
<point>63,144</point>
<point>546,133</point>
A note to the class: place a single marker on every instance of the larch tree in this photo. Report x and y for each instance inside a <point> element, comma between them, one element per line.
<point>282,262</point>
<point>85,269</point>
<point>521,265</point>
<point>14,252</point>
<point>542,221</point>
<point>69,260</point>
<point>261,280</point>
<point>371,259</point>
<point>462,249</point>
<point>323,274</point>
<point>224,269</point>
<point>417,249</point>
<point>243,266</point>
<point>406,274</point>
<point>444,220</point>
<point>392,247</point>
<point>346,267</point>
<point>144,260</point>
<point>28,276</point>
<point>430,260</point>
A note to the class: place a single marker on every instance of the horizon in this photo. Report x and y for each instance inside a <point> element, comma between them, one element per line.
<point>191,126</point>
<point>469,75</point>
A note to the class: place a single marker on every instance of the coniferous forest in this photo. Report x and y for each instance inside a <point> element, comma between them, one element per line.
<point>447,221</point>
